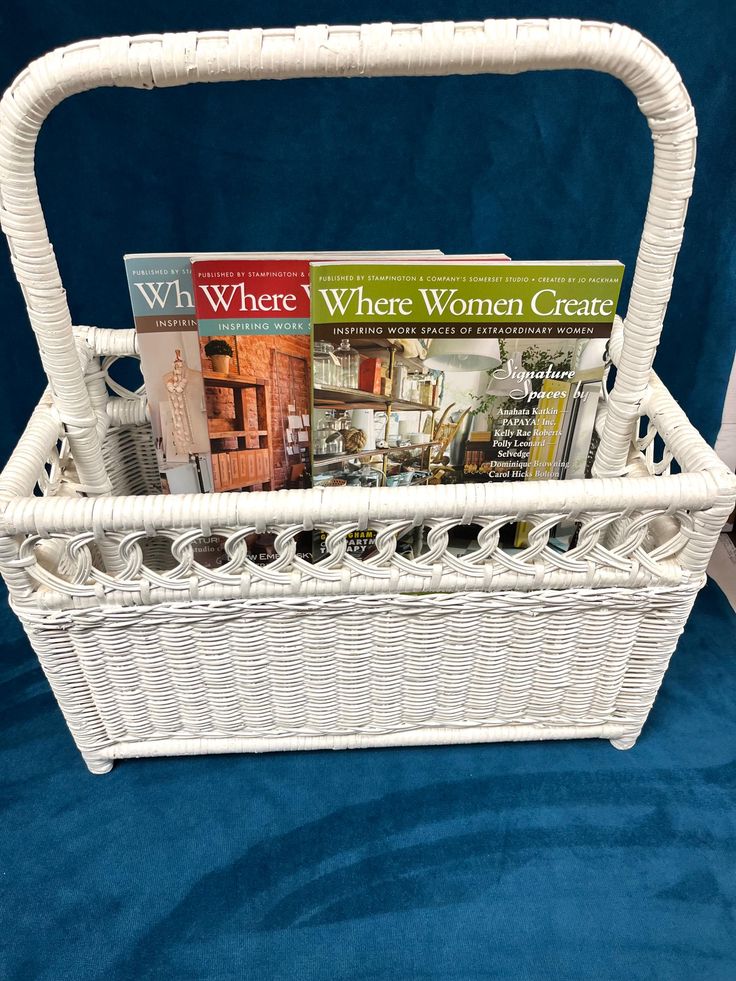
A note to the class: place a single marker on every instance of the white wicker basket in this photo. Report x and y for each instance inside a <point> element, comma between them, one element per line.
<point>149,657</point>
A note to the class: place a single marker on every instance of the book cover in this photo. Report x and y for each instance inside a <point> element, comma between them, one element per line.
<point>163,310</point>
<point>254,337</point>
<point>485,361</point>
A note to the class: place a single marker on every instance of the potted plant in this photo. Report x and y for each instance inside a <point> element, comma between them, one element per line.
<point>219,352</point>
<point>485,410</point>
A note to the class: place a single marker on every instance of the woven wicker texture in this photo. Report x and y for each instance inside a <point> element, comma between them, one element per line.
<point>351,673</point>
<point>150,653</point>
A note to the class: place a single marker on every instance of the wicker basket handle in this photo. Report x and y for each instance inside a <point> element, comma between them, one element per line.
<point>503,46</point>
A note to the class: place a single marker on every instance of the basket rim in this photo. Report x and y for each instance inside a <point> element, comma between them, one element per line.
<point>667,493</point>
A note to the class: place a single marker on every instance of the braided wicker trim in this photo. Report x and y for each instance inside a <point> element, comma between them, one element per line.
<point>471,604</point>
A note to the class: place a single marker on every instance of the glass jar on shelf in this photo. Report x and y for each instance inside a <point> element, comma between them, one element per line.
<point>398,382</point>
<point>348,368</point>
<point>413,386</point>
<point>325,436</point>
<point>326,367</point>
<point>427,390</point>
<point>369,476</point>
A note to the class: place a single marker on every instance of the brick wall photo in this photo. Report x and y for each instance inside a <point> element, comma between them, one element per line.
<point>283,362</point>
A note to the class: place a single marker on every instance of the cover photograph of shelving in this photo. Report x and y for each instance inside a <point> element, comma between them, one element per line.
<point>257,407</point>
<point>408,422</point>
<point>462,372</point>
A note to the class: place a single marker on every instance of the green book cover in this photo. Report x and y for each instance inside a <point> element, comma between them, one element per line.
<point>467,372</point>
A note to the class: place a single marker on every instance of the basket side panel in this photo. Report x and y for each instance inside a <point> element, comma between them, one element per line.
<point>131,461</point>
<point>368,668</point>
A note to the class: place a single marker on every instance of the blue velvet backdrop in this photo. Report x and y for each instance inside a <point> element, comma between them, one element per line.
<point>567,861</point>
<point>543,165</point>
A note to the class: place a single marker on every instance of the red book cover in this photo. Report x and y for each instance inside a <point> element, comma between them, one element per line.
<point>255,346</point>
<point>253,320</point>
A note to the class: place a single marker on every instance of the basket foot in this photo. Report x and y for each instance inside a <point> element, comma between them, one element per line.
<point>624,742</point>
<point>96,763</point>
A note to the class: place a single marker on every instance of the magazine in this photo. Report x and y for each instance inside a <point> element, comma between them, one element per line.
<point>161,295</point>
<point>492,372</point>
<point>254,335</point>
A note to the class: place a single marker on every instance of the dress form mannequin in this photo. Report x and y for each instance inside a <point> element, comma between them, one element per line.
<point>176,385</point>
